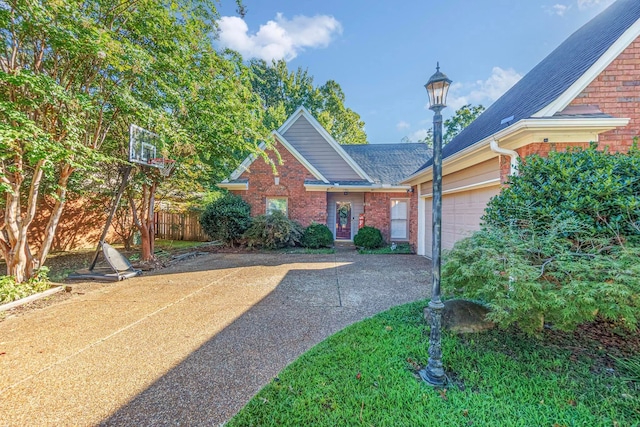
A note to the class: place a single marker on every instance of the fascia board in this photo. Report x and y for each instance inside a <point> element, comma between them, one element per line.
<point>243,186</point>
<point>562,101</point>
<point>332,142</point>
<point>244,166</point>
<point>299,157</point>
<point>291,120</point>
<point>357,189</point>
<point>537,125</point>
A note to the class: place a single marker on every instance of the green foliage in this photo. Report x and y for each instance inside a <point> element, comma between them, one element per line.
<point>317,236</point>
<point>401,249</point>
<point>79,73</point>
<point>368,237</point>
<point>453,126</point>
<point>10,290</point>
<point>273,231</point>
<point>282,92</point>
<point>365,375</point>
<point>460,120</point>
<point>226,218</point>
<point>560,244</point>
<point>600,190</point>
<point>630,368</point>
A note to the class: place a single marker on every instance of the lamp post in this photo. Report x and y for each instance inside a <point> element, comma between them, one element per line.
<point>433,373</point>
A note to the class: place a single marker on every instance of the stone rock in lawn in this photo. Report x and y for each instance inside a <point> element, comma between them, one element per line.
<point>462,317</point>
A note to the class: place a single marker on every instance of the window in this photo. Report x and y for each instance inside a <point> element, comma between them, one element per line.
<point>399,219</point>
<point>276,204</point>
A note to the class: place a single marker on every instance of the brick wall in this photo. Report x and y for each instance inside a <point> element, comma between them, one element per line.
<point>304,206</point>
<point>616,91</point>
<point>377,210</point>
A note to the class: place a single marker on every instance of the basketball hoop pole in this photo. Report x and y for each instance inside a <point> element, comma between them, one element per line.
<point>114,207</point>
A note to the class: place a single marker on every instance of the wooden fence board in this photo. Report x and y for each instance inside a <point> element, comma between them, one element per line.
<point>179,226</point>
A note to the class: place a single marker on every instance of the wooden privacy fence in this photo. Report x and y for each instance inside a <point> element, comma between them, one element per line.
<point>179,226</point>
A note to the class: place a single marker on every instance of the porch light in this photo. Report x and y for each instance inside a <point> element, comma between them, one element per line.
<point>433,374</point>
<point>438,87</point>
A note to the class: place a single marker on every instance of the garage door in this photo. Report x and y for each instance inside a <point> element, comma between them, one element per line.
<point>461,213</point>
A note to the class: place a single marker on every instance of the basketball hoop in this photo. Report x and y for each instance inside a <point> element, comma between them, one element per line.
<point>164,166</point>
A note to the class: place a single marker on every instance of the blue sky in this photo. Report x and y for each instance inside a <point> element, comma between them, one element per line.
<point>383,52</point>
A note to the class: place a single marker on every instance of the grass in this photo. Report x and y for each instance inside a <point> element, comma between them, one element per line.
<point>402,248</point>
<point>365,375</point>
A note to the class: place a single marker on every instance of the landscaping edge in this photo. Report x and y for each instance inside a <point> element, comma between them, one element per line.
<point>13,304</point>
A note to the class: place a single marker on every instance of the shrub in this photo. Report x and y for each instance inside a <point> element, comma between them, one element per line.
<point>12,291</point>
<point>555,249</point>
<point>368,237</point>
<point>273,231</point>
<point>598,189</point>
<point>226,219</point>
<point>317,236</point>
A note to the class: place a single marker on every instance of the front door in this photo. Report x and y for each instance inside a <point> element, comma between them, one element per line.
<point>343,220</point>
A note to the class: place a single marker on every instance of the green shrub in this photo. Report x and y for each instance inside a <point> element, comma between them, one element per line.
<point>600,190</point>
<point>317,236</point>
<point>273,231</point>
<point>557,245</point>
<point>12,291</point>
<point>226,219</point>
<point>368,237</point>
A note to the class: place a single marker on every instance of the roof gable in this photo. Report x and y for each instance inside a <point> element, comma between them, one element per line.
<point>313,142</point>
<point>556,80</point>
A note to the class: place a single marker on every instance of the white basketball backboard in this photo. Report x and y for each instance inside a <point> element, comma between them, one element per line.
<point>143,145</point>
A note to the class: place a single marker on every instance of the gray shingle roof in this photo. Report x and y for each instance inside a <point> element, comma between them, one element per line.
<point>551,77</point>
<point>389,163</point>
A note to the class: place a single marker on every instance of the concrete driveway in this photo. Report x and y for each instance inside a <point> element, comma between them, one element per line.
<point>190,344</point>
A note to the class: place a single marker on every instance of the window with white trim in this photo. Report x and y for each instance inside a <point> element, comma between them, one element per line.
<point>399,219</point>
<point>277,204</point>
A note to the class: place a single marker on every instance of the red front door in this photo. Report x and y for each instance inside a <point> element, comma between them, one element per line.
<point>343,220</point>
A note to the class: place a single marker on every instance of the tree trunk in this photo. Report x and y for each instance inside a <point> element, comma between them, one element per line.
<point>144,221</point>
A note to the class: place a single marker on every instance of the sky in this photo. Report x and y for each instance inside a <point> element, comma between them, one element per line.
<point>383,52</point>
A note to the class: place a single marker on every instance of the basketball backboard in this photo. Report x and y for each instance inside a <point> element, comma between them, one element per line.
<point>143,145</point>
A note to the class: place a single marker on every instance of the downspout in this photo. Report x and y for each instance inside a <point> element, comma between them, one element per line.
<point>512,155</point>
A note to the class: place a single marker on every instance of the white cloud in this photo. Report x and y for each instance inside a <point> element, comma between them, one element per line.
<point>418,135</point>
<point>586,4</point>
<point>557,9</point>
<point>280,38</point>
<point>483,91</point>
<point>402,125</point>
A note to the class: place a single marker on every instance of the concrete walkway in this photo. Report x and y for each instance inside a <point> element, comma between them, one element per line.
<point>190,344</point>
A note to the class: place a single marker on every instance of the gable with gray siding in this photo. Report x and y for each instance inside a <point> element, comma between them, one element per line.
<point>317,151</point>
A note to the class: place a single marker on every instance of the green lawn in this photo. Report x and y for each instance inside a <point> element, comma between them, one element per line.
<point>365,375</point>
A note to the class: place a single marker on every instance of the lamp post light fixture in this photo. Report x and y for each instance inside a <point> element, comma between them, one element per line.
<point>433,373</point>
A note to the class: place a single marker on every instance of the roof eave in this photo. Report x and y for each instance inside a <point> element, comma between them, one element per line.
<point>585,125</point>
<point>375,188</point>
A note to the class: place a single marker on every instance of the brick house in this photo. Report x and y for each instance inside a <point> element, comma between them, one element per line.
<point>587,90</point>
<point>343,186</point>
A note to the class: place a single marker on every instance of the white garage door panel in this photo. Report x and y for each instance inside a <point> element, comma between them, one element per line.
<point>461,213</point>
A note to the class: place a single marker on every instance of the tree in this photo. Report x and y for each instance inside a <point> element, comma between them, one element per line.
<point>74,74</point>
<point>460,120</point>
<point>453,126</point>
<point>282,92</point>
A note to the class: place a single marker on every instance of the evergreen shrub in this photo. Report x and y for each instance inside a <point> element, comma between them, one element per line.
<point>317,236</point>
<point>560,245</point>
<point>226,218</point>
<point>273,231</point>
<point>368,238</point>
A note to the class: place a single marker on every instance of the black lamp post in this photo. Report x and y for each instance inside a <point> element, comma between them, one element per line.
<point>433,373</point>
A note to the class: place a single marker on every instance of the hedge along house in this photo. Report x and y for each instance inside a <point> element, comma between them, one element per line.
<point>587,90</point>
<point>342,186</point>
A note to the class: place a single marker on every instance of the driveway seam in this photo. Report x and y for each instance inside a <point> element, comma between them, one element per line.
<point>111,335</point>
<point>335,261</point>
